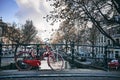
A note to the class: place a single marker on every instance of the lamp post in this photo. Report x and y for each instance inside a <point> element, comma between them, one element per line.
<point>2,25</point>
<point>0,41</point>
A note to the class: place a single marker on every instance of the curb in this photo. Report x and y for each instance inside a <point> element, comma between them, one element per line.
<point>57,75</point>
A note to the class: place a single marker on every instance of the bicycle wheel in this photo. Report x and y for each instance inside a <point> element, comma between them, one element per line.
<point>19,61</point>
<point>55,61</point>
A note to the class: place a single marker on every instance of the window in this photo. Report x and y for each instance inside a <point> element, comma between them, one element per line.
<point>108,42</point>
<point>117,40</point>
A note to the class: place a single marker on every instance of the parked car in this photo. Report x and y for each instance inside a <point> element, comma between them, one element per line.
<point>114,64</point>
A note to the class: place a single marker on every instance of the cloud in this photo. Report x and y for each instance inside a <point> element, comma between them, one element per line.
<point>35,10</point>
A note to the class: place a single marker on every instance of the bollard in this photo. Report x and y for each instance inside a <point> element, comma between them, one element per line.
<point>67,66</point>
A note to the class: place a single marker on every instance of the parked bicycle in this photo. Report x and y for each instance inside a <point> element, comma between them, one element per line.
<point>25,60</point>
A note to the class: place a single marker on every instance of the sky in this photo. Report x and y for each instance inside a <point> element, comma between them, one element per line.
<point>21,10</point>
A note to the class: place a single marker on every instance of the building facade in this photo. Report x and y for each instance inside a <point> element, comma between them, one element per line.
<point>113,51</point>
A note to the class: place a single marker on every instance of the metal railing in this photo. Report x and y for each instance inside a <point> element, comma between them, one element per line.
<point>71,51</point>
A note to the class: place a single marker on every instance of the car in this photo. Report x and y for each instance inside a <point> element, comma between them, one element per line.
<point>113,64</point>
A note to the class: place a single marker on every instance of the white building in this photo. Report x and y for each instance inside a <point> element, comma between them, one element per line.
<point>112,52</point>
<point>100,43</point>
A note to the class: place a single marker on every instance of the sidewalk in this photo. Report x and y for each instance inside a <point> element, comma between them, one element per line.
<point>6,74</point>
<point>67,74</point>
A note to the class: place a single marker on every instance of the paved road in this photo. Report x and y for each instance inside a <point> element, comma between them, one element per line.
<point>67,74</point>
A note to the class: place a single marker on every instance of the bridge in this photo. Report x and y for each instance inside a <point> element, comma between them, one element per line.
<point>75,69</point>
<point>72,74</point>
<point>46,73</point>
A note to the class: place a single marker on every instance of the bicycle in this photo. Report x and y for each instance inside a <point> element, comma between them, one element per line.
<point>25,60</point>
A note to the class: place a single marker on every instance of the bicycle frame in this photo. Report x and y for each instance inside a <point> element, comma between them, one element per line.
<point>25,60</point>
<point>37,62</point>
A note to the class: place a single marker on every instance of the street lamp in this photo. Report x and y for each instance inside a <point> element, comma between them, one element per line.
<point>2,27</point>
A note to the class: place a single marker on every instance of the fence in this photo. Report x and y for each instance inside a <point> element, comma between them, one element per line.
<point>96,56</point>
<point>8,51</point>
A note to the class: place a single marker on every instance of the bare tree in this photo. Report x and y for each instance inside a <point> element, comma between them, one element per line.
<point>116,4</point>
<point>13,34</point>
<point>18,36</point>
<point>68,30</point>
<point>84,11</point>
<point>29,32</point>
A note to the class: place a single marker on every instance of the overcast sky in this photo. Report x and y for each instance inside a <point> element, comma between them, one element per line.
<point>21,10</point>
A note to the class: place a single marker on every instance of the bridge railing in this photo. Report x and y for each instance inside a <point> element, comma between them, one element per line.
<point>8,52</point>
<point>77,55</point>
